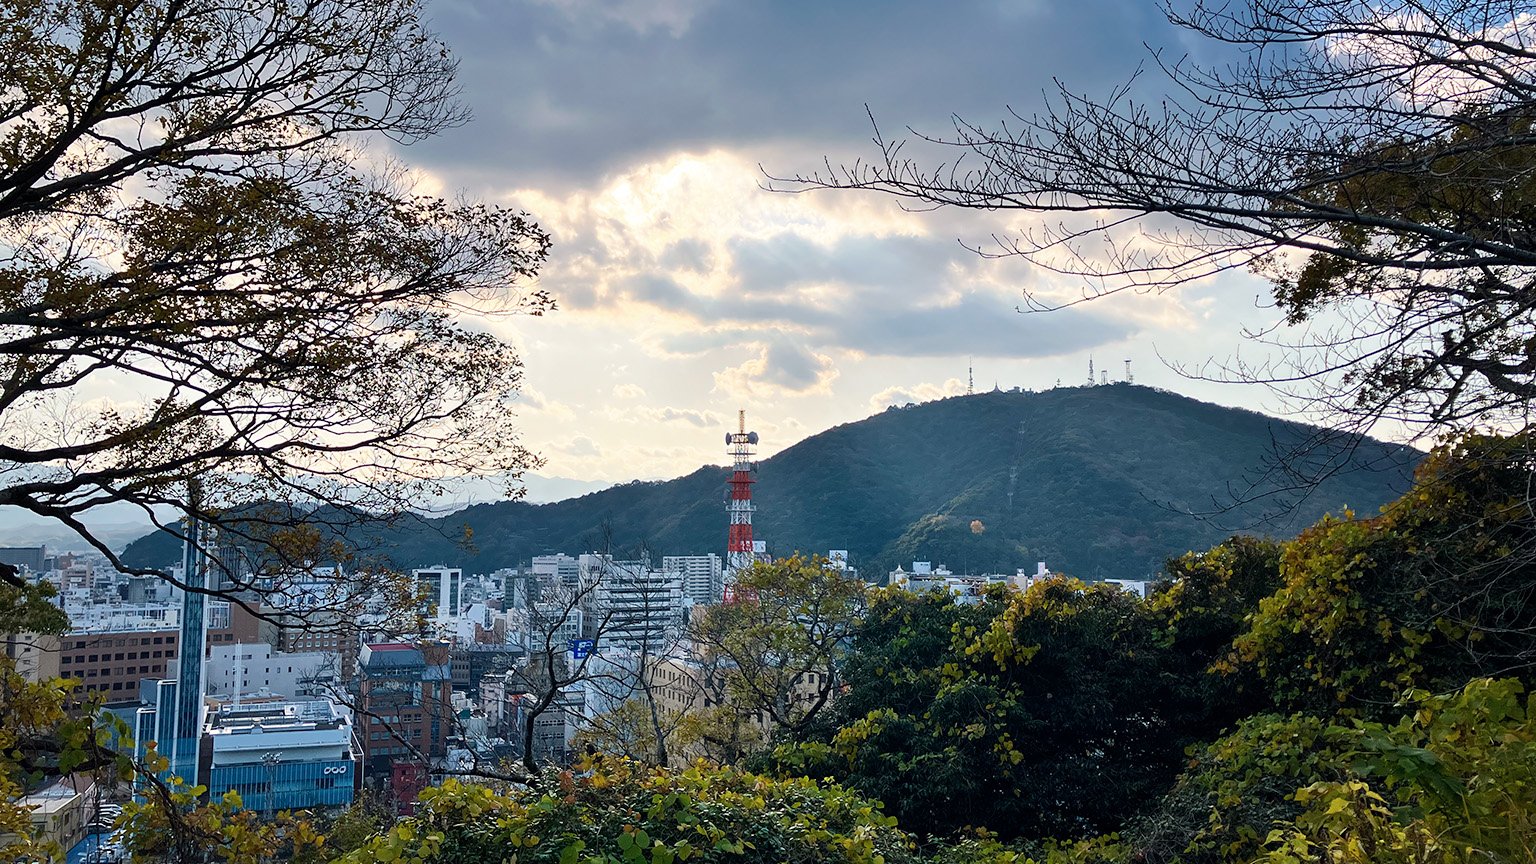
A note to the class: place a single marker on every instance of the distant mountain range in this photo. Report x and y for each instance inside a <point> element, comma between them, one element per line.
<point>1098,482</point>
<point>119,524</point>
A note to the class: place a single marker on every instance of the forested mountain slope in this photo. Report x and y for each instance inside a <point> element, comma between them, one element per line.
<point>1098,482</point>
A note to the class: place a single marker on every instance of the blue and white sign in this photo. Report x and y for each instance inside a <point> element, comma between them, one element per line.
<point>580,648</point>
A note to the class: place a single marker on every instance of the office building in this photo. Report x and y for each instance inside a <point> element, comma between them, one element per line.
<point>283,755</point>
<point>29,559</point>
<point>256,668</point>
<point>405,692</point>
<point>555,571</point>
<point>702,575</point>
<point>112,648</point>
<point>61,811</point>
<point>637,608</point>
<point>441,591</point>
<point>187,729</point>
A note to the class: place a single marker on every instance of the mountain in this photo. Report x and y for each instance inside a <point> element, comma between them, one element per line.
<point>1098,482</point>
<point>537,489</point>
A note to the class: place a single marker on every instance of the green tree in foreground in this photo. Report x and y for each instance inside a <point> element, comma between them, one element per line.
<point>1451,779</point>
<point>45,731</point>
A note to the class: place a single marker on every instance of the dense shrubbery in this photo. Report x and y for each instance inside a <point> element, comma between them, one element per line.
<point>619,812</point>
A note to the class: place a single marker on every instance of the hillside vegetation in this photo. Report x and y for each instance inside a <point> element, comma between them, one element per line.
<point>1099,482</point>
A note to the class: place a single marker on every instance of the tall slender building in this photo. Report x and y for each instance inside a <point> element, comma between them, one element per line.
<point>188,728</point>
<point>738,505</point>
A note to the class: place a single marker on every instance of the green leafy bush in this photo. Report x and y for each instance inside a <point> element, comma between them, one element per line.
<point>614,811</point>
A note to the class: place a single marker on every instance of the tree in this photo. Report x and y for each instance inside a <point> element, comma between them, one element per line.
<point>1446,779</point>
<point>771,660</point>
<point>1435,591</point>
<point>189,221</point>
<point>45,736</point>
<point>1372,159</point>
<point>1056,711</point>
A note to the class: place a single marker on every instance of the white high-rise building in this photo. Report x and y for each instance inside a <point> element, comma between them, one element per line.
<point>444,587</point>
<point>638,608</point>
<point>556,571</point>
<point>703,576</point>
<point>256,667</point>
<point>594,567</point>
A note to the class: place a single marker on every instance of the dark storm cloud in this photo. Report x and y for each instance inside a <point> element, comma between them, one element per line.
<point>565,93</point>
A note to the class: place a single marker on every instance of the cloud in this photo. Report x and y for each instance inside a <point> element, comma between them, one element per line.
<point>628,391</point>
<point>702,419</point>
<point>532,398</point>
<point>581,446</point>
<point>571,91</point>
<point>894,296</point>
<point>782,368</point>
<point>642,16</point>
<point>915,393</point>
<point>689,254</point>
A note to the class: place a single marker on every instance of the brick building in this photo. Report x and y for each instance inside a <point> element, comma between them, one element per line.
<point>405,704</point>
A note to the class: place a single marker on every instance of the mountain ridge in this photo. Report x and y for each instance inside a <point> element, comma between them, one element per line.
<point>1100,482</point>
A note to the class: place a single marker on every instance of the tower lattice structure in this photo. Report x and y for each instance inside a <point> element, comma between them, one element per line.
<point>738,506</point>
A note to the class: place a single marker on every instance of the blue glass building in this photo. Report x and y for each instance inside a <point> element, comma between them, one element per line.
<point>188,697</point>
<point>283,755</point>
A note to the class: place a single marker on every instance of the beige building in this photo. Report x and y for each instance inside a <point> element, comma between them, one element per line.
<point>681,687</point>
<point>62,810</point>
<point>35,656</point>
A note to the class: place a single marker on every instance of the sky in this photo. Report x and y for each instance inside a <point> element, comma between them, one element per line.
<point>641,134</point>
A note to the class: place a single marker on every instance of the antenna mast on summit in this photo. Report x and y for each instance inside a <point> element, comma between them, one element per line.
<point>1128,378</point>
<point>1091,380</point>
<point>970,378</point>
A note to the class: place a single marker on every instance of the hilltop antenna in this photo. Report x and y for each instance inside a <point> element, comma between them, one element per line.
<point>970,377</point>
<point>1104,377</point>
<point>1128,378</point>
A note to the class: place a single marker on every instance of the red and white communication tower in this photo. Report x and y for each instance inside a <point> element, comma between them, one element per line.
<point>738,547</point>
